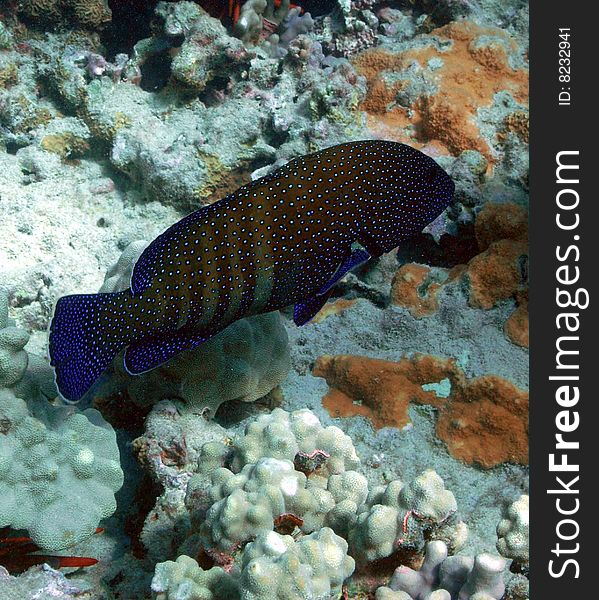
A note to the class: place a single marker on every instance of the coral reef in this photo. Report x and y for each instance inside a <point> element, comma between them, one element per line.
<point>312,497</point>
<point>459,65</point>
<point>88,14</point>
<point>59,469</point>
<point>443,577</point>
<point>207,51</point>
<point>405,402</point>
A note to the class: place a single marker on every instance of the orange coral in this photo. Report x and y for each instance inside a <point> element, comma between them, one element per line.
<point>498,272</point>
<point>379,389</point>
<point>472,73</point>
<point>496,222</point>
<point>483,420</point>
<point>415,288</point>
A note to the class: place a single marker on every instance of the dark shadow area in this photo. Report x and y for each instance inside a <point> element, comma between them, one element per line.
<point>131,22</point>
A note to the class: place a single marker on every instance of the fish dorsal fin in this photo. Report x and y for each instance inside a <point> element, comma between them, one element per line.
<point>153,258</point>
<point>357,256</point>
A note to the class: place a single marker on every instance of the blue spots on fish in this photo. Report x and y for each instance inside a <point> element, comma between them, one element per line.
<point>152,351</point>
<point>284,239</point>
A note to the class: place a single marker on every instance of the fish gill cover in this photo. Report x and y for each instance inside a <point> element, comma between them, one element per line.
<point>377,450</point>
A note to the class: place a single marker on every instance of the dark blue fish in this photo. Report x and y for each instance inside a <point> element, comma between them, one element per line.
<point>284,239</point>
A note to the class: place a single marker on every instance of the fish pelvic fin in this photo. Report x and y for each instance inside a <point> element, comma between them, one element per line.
<point>151,352</point>
<point>86,332</point>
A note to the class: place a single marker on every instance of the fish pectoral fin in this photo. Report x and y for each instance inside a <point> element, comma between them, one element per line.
<point>306,309</point>
<point>152,351</point>
<point>358,255</point>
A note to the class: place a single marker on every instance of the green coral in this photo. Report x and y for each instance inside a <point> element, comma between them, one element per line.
<point>59,469</point>
<point>89,14</point>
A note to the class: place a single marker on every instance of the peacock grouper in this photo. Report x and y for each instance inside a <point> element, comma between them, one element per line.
<point>284,239</point>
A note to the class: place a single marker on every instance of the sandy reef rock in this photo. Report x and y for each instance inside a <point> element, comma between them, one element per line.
<point>42,582</point>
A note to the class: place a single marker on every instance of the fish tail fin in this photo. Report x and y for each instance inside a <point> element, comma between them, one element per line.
<point>86,332</point>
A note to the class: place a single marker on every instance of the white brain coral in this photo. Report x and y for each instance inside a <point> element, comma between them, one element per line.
<point>313,568</point>
<point>396,516</point>
<point>248,503</point>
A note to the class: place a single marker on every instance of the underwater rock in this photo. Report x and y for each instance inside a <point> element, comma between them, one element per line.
<point>43,582</point>
<point>207,51</point>
<point>497,272</point>
<point>68,137</point>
